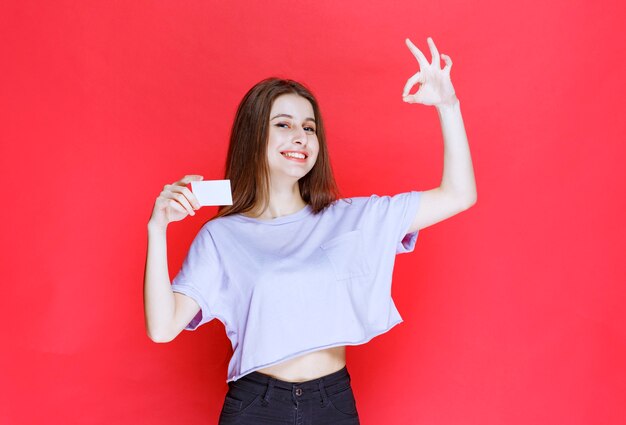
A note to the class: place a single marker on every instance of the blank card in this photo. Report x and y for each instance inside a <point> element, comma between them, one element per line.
<point>212,192</point>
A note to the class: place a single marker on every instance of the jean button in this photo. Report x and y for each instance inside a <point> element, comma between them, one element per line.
<point>298,391</point>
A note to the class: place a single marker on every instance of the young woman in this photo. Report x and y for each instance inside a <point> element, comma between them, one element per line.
<point>293,271</point>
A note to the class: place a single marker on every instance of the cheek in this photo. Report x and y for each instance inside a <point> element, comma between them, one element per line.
<point>317,149</point>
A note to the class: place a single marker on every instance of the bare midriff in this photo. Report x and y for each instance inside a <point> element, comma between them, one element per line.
<point>308,366</point>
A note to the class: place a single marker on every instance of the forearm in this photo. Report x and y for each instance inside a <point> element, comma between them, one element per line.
<point>159,301</point>
<point>458,173</point>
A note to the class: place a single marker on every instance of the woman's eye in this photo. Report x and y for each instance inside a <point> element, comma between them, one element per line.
<point>281,124</point>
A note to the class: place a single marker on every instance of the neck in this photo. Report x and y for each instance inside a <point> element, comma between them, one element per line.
<point>284,200</point>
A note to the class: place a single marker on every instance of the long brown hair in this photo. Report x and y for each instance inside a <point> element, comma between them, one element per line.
<point>246,163</point>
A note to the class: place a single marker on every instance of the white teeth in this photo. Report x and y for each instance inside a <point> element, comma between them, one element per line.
<point>294,155</point>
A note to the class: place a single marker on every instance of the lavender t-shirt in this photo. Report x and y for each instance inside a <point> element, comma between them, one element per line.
<point>301,282</point>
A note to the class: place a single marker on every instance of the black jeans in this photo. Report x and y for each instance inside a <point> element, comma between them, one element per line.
<point>259,399</point>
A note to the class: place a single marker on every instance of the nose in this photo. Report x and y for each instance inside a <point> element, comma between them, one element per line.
<point>300,136</point>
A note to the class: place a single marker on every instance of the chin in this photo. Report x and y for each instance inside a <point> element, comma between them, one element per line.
<point>296,177</point>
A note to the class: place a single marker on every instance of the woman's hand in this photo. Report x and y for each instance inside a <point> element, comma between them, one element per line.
<point>175,202</point>
<point>435,84</point>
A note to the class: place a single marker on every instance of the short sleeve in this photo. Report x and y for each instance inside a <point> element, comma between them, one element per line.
<point>202,279</point>
<point>391,216</point>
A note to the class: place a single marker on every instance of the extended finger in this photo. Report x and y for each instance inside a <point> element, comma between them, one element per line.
<point>448,62</point>
<point>421,59</point>
<point>417,78</point>
<point>434,52</point>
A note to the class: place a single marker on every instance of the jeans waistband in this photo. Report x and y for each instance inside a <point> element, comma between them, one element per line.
<point>261,383</point>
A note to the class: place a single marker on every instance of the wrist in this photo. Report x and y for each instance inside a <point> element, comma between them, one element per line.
<point>155,226</point>
<point>450,103</point>
<point>453,104</point>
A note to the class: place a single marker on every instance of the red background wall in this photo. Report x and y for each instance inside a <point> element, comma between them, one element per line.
<point>513,309</point>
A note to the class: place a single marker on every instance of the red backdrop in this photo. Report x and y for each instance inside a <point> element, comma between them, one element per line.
<point>512,309</point>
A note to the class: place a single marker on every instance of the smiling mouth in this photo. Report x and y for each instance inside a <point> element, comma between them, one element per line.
<point>295,155</point>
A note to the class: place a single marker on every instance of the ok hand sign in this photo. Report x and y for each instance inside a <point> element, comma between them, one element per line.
<point>435,84</point>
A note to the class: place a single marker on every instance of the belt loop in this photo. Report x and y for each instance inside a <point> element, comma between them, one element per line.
<point>323,393</point>
<point>268,392</point>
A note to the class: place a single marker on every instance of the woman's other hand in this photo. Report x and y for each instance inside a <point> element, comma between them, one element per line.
<point>175,202</point>
<point>435,84</point>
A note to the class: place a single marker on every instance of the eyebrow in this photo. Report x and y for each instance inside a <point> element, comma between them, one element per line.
<point>289,116</point>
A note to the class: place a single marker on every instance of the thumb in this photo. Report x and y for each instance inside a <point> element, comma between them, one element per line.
<point>189,178</point>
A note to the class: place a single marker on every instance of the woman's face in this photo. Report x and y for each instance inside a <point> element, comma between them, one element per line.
<point>292,129</point>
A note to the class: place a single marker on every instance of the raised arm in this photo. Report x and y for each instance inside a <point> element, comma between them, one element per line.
<point>166,313</point>
<point>457,191</point>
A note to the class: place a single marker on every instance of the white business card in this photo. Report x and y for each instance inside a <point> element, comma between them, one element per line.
<point>212,192</point>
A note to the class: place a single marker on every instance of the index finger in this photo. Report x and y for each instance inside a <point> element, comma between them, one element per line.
<point>421,59</point>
